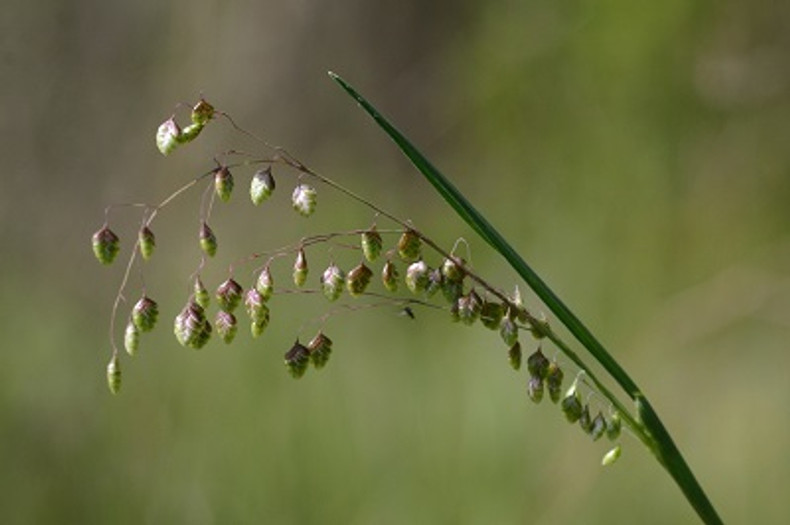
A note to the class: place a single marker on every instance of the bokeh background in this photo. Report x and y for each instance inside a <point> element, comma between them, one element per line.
<point>637,155</point>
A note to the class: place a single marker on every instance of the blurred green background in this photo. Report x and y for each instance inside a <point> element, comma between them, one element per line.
<point>636,154</point>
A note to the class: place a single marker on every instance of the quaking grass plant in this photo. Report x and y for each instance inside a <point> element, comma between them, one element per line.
<point>399,255</point>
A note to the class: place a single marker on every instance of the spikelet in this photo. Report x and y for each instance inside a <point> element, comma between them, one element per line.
<point>332,282</point>
<point>262,185</point>
<point>358,279</point>
<point>106,245</point>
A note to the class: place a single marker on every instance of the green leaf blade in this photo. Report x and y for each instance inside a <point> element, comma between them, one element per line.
<point>662,444</point>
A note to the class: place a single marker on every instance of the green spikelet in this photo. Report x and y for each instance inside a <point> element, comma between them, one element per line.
<point>145,314</point>
<point>320,348</point>
<point>452,290</point>
<point>168,136</point>
<point>106,245</point>
<point>469,307</point>
<point>223,183</point>
<point>191,327</point>
<point>535,389</point>
<point>538,365</point>
<point>585,421</point>
<point>262,185</point>
<point>598,427</point>
<point>256,307</point>
<point>300,268</point>
<point>190,133</point>
<point>358,279</point>
<point>332,282</point>
<point>509,331</point>
<point>491,314</point>
<point>114,375</point>
<point>452,271</point>
<point>226,325</point>
<point>147,242</point>
<point>554,376</point>
<point>258,327</point>
<point>265,283</point>
<point>572,406</point>
<point>435,281</point>
<point>417,277</point>
<point>371,244</point>
<point>611,456</point>
<point>202,296</point>
<point>297,359</point>
<point>514,356</point>
<point>229,295</point>
<point>208,241</point>
<point>202,112</point>
<point>409,246</point>
<point>131,339</point>
<point>303,200</point>
<point>390,276</point>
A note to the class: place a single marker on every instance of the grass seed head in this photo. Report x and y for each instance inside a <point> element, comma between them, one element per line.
<point>491,314</point>
<point>611,456</point>
<point>535,389</point>
<point>202,112</point>
<point>508,331</point>
<point>223,183</point>
<point>201,295</point>
<point>572,407</point>
<point>114,375</point>
<point>409,246</point>
<point>131,339</point>
<point>229,295</point>
<point>255,306</point>
<point>514,356</point>
<point>452,271</point>
<point>358,279</point>
<point>371,244</point>
<point>191,327</point>
<point>303,200</point>
<point>208,241</point>
<point>435,280</point>
<point>320,348</point>
<point>190,133</point>
<point>597,426</point>
<point>390,276</point>
<point>145,314</point>
<point>262,185</point>
<point>538,364</point>
<point>554,376</point>
<point>168,136</point>
<point>147,242</point>
<point>332,281</point>
<point>469,307</point>
<point>300,268</point>
<point>106,245</point>
<point>265,283</point>
<point>417,277</point>
<point>297,359</point>
<point>226,325</point>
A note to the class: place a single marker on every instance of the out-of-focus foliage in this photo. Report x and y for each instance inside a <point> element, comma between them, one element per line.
<point>635,154</point>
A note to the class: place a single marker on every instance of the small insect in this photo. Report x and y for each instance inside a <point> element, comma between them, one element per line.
<point>407,311</point>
